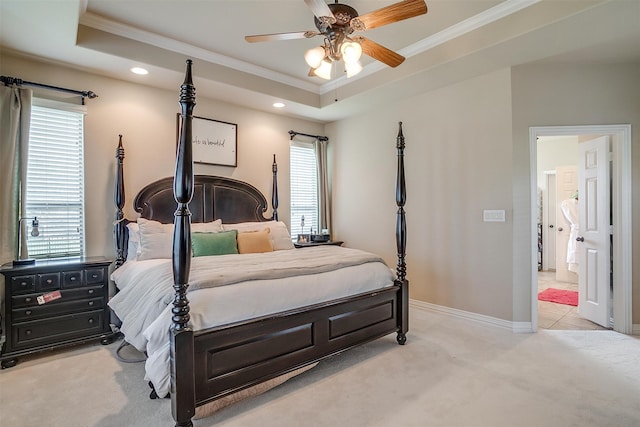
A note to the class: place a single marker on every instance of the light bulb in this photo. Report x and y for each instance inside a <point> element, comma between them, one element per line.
<point>352,68</point>
<point>314,56</point>
<point>324,70</point>
<point>351,52</point>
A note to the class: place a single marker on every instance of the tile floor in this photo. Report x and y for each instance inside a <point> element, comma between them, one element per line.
<point>560,316</point>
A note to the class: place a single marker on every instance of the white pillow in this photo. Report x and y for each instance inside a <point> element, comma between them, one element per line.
<point>156,238</point>
<point>133,246</point>
<point>280,237</point>
<point>206,227</point>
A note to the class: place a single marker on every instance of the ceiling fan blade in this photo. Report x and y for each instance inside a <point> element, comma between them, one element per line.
<point>387,15</point>
<point>321,10</point>
<point>379,52</point>
<point>281,36</point>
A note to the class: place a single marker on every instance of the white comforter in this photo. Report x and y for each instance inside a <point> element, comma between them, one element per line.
<point>229,288</point>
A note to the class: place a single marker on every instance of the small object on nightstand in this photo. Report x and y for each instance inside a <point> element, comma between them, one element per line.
<point>23,258</point>
<point>304,238</point>
<point>54,303</point>
<point>325,243</point>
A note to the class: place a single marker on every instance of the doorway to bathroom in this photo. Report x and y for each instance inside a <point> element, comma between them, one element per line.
<point>558,158</point>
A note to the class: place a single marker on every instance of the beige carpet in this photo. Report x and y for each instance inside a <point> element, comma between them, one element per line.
<point>452,372</point>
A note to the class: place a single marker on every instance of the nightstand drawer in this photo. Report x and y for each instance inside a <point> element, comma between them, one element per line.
<point>68,307</point>
<point>30,300</point>
<point>72,279</point>
<point>48,281</point>
<point>57,329</point>
<point>94,275</point>
<point>23,284</point>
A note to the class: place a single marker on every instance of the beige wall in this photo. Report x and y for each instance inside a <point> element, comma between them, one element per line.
<point>146,117</point>
<point>458,163</point>
<point>468,150</point>
<point>557,95</point>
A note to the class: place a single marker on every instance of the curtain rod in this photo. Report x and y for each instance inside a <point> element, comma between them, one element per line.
<point>293,133</point>
<point>19,82</point>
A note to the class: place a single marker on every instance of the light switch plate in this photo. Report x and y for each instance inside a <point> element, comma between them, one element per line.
<point>496,215</point>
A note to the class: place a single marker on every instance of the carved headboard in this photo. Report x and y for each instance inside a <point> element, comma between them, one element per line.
<point>214,197</point>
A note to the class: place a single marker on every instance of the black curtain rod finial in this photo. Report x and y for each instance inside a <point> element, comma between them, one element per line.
<point>293,133</point>
<point>19,82</point>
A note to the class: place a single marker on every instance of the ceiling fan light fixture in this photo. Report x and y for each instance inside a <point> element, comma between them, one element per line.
<point>314,56</point>
<point>351,52</point>
<point>352,68</point>
<point>324,70</point>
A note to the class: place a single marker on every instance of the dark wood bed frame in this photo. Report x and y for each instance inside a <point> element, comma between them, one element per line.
<point>213,363</point>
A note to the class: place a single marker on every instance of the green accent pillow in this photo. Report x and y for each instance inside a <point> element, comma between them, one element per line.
<point>222,243</point>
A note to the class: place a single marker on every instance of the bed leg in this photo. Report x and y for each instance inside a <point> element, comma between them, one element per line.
<point>401,338</point>
<point>403,312</point>
<point>182,368</point>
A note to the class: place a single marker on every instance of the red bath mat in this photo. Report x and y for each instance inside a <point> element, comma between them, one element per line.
<point>559,296</point>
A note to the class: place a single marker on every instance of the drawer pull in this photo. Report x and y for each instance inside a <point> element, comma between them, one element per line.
<point>90,321</point>
<point>90,303</point>
<point>23,283</point>
<point>27,332</point>
<point>94,276</point>
<point>91,291</point>
<point>27,299</point>
<point>49,281</point>
<point>27,312</point>
<point>72,278</point>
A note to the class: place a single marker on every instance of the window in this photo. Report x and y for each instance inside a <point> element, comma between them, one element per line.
<point>304,188</point>
<point>55,180</point>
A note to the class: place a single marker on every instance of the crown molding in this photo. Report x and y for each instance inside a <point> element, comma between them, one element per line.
<point>487,17</point>
<point>107,25</point>
<point>493,14</point>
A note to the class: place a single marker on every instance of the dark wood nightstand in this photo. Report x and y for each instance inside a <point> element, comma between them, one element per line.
<point>329,242</point>
<point>54,303</point>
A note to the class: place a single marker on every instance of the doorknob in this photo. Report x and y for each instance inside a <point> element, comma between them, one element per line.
<point>560,228</point>
<point>580,239</point>
<point>550,225</point>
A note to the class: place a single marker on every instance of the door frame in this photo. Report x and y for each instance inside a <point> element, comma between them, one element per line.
<point>621,198</point>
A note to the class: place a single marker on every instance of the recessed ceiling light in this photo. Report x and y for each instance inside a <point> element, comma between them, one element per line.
<point>139,70</point>
<point>278,104</point>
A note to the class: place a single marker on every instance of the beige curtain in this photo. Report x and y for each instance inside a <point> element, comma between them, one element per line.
<point>15,116</point>
<point>324,192</point>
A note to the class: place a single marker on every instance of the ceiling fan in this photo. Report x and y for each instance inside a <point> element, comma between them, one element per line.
<point>337,22</point>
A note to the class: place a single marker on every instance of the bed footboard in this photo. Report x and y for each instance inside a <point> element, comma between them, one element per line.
<point>232,358</point>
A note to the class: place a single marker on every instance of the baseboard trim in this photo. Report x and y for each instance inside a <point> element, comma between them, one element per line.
<point>635,329</point>
<point>516,327</point>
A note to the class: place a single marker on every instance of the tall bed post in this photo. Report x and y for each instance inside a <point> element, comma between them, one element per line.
<point>182,355</point>
<point>119,225</point>
<point>401,241</point>
<point>274,190</point>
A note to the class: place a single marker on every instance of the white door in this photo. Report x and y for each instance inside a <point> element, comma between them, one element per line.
<point>594,240</point>
<point>549,223</point>
<point>566,187</point>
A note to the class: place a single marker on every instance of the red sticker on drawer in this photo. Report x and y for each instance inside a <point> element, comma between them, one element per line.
<point>43,299</point>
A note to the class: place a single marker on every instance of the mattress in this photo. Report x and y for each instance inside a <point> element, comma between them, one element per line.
<point>143,302</point>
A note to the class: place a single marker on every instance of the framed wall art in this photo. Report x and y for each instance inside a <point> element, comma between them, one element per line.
<point>214,142</point>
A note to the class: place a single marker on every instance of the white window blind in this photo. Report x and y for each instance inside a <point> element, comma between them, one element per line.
<point>304,188</point>
<point>55,180</point>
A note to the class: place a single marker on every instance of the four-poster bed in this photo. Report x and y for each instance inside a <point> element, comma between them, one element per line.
<point>214,360</point>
